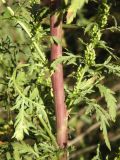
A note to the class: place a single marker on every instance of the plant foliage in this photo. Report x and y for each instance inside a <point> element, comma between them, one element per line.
<point>25,77</point>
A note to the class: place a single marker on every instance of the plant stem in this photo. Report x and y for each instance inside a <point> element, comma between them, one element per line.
<point>57,80</point>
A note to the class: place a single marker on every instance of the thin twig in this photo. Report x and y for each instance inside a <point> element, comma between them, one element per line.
<point>91,148</point>
<point>82,151</point>
<point>80,137</point>
<point>89,130</point>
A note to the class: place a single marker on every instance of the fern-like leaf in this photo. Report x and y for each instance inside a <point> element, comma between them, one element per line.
<point>110,100</point>
<point>102,116</point>
<point>72,10</point>
<point>23,148</point>
<point>22,123</point>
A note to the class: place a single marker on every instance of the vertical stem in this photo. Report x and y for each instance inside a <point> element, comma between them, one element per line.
<point>58,82</point>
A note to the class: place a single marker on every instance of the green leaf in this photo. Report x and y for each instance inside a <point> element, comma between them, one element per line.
<point>110,100</point>
<point>54,39</point>
<point>8,156</point>
<point>72,10</point>
<point>104,129</point>
<point>21,78</point>
<point>114,69</point>
<point>88,83</point>
<point>34,94</point>
<point>98,156</point>
<point>71,59</point>
<point>102,116</point>
<point>89,27</point>
<point>23,148</point>
<point>66,2</point>
<point>108,60</point>
<point>16,154</point>
<point>22,123</point>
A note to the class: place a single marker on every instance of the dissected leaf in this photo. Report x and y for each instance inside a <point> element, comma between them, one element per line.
<point>110,100</point>
<point>73,8</point>
<point>21,148</point>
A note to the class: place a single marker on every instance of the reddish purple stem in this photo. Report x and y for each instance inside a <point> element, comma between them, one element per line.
<point>58,82</point>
